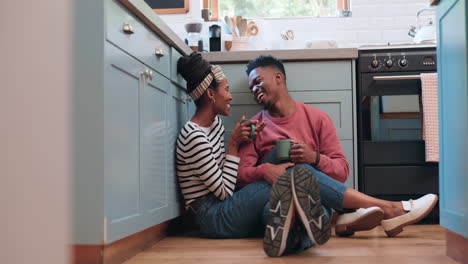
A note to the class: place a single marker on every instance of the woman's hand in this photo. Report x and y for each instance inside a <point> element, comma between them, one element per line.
<point>242,133</point>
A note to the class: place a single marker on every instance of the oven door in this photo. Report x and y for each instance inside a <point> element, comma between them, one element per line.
<point>391,119</point>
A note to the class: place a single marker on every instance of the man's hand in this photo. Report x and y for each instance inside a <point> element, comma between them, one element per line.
<point>274,171</point>
<point>301,153</point>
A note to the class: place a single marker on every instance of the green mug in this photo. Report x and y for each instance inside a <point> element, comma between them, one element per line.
<point>252,129</point>
<point>282,149</point>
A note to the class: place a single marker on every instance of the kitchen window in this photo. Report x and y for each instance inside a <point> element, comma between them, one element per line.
<point>277,8</point>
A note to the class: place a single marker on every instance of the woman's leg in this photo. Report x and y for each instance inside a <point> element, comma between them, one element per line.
<point>354,199</point>
<point>238,216</point>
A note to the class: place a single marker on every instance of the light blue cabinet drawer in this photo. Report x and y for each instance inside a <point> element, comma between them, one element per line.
<point>319,75</point>
<point>142,44</point>
<point>301,76</point>
<point>175,55</point>
<point>337,104</point>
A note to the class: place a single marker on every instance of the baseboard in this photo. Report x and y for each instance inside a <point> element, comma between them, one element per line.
<point>457,247</point>
<point>120,250</point>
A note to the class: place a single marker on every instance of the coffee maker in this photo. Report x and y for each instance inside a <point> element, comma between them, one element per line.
<point>215,38</point>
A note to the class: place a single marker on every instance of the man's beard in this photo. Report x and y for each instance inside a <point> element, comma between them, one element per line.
<point>267,106</point>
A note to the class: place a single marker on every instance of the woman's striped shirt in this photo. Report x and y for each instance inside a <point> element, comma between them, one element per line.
<point>202,165</point>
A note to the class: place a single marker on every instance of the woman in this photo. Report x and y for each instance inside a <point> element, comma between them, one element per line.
<point>207,172</point>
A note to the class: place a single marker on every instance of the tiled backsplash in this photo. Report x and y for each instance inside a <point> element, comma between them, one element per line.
<point>372,22</point>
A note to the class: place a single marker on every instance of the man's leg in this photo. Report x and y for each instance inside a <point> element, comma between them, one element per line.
<point>332,193</point>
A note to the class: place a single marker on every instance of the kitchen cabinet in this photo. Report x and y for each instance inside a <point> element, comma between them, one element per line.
<point>452,64</point>
<point>327,85</point>
<point>130,104</point>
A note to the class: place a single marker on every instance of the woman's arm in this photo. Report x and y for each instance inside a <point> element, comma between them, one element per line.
<point>195,150</point>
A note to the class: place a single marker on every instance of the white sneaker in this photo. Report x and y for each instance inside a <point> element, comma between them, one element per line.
<point>361,220</point>
<point>417,210</point>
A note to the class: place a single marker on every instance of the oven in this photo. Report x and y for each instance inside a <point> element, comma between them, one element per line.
<point>391,151</point>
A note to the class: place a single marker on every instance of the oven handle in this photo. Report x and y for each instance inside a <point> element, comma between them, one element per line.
<point>397,77</point>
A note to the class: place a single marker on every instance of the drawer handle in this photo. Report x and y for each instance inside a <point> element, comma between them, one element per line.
<point>159,52</point>
<point>148,74</point>
<point>127,29</point>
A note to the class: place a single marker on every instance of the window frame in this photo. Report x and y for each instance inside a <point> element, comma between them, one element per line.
<point>213,7</point>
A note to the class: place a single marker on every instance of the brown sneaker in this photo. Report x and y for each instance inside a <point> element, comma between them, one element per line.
<point>306,193</point>
<point>279,221</point>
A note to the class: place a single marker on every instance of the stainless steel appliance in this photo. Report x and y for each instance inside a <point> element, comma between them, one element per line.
<point>391,160</point>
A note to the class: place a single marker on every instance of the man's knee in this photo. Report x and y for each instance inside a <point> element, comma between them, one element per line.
<point>307,166</point>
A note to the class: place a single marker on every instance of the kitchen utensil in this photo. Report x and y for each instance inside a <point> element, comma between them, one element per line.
<point>287,35</point>
<point>228,21</point>
<point>242,27</point>
<point>235,32</point>
<point>252,29</point>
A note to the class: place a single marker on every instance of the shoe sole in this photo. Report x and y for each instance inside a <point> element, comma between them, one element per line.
<point>367,221</point>
<point>306,193</point>
<point>397,230</point>
<point>279,221</point>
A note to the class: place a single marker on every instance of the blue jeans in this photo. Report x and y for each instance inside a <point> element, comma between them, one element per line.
<point>246,212</point>
<point>241,215</point>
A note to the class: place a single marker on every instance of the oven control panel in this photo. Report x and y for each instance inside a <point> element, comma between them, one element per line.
<point>397,60</point>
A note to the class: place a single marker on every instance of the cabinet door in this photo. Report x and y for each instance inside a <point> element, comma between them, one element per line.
<point>121,142</point>
<point>155,185</point>
<point>177,116</point>
<point>139,187</point>
<point>452,65</point>
<point>337,104</point>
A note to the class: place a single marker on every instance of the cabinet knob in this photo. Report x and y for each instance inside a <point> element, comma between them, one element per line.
<point>127,28</point>
<point>148,74</point>
<point>159,52</point>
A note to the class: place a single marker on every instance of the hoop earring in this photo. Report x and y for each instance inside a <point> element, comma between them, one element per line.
<point>213,100</point>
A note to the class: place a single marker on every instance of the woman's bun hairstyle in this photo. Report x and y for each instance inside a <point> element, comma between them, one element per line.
<point>194,69</point>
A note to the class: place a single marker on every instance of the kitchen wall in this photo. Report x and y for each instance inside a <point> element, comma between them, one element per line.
<point>372,22</point>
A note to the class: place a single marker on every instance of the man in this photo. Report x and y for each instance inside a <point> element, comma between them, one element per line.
<point>315,141</point>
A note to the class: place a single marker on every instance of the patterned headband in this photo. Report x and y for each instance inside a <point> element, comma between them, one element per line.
<point>216,73</point>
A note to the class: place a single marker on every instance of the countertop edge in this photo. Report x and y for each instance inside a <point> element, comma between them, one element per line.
<point>285,55</point>
<point>153,21</point>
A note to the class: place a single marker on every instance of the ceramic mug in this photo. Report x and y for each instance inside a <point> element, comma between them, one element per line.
<point>252,129</point>
<point>282,149</point>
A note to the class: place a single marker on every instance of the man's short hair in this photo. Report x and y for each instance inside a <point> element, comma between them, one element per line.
<point>265,61</point>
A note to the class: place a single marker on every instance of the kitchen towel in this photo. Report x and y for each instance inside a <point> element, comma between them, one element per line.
<point>430,116</point>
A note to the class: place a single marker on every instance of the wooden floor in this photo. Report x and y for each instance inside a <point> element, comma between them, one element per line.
<point>417,244</point>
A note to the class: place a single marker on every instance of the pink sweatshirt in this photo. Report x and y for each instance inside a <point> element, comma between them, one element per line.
<point>307,124</point>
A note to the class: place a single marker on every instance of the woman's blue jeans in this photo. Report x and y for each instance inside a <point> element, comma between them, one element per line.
<point>246,212</point>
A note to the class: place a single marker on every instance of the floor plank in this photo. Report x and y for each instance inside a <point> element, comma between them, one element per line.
<point>423,244</point>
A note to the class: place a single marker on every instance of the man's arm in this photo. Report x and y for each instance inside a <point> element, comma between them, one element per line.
<point>332,159</point>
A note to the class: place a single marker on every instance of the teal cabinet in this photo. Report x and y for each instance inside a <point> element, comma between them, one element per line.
<point>452,65</point>
<point>129,105</point>
<point>326,85</point>
<point>143,114</point>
